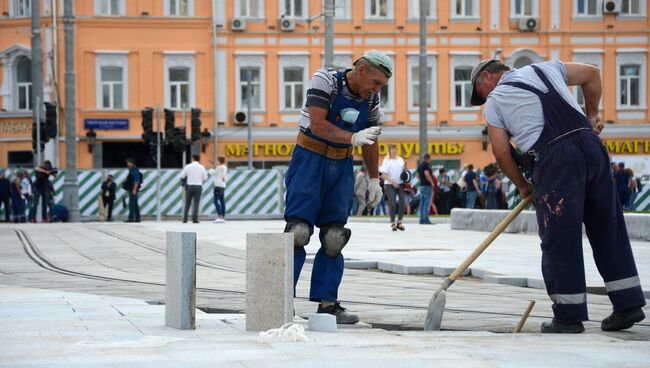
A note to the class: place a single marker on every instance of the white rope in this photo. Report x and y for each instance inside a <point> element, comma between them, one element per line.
<point>288,332</point>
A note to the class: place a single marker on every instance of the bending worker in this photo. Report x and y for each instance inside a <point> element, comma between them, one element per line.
<point>571,182</point>
<point>341,110</point>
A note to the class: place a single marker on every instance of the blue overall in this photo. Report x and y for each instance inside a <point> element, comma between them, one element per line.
<point>573,185</point>
<point>320,192</point>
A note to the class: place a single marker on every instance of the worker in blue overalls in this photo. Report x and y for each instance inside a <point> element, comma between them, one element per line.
<point>559,146</point>
<point>340,111</point>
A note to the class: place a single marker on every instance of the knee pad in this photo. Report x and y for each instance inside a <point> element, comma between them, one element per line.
<point>301,232</point>
<point>333,239</point>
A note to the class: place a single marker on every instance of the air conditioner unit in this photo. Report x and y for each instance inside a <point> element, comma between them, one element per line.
<point>528,24</point>
<point>240,118</point>
<point>238,24</point>
<point>611,6</point>
<point>287,24</point>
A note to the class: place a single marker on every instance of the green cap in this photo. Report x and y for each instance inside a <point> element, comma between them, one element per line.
<point>378,60</point>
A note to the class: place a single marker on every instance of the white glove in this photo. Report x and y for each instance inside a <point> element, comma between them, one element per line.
<point>366,136</point>
<point>374,193</point>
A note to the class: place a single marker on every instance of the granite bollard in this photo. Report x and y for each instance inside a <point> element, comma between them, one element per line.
<point>269,280</point>
<point>180,277</point>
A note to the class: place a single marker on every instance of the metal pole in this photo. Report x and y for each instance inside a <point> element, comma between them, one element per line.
<point>216,99</point>
<point>423,79</point>
<point>37,112</point>
<point>158,171</point>
<point>185,137</point>
<point>70,185</point>
<point>328,12</point>
<point>249,116</point>
<point>55,78</point>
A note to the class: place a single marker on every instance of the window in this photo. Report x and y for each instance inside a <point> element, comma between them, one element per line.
<point>342,9</point>
<point>293,8</point>
<point>183,8</point>
<point>414,82</point>
<point>462,87</point>
<point>522,62</point>
<point>387,94</point>
<point>24,84</point>
<point>586,57</point>
<point>111,80</point>
<point>464,9</point>
<point>523,8</point>
<point>253,63</point>
<point>23,8</point>
<point>180,80</point>
<point>109,7</point>
<point>629,85</point>
<point>414,9</point>
<point>378,8</point>
<point>588,7</point>
<point>630,79</point>
<point>632,7</point>
<point>293,88</point>
<point>250,8</point>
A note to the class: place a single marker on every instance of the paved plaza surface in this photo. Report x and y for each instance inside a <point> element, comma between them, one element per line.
<point>89,295</point>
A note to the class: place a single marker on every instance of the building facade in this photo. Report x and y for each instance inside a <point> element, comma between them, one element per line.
<point>146,53</point>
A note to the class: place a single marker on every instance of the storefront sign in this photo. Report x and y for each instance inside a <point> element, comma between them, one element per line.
<point>404,149</point>
<point>628,147</point>
<point>106,124</point>
<point>15,127</point>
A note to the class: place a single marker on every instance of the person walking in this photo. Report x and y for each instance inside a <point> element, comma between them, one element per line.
<point>133,185</point>
<point>340,111</point>
<point>17,199</point>
<point>634,191</point>
<point>571,182</point>
<point>622,178</point>
<point>26,190</point>
<point>5,195</point>
<point>194,175</point>
<point>42,190</point>
<point>219,175</point>
<point>392,167</point>
<point>444,195</point>
<point>108,196</point>
<point>361,190</point>
<point>472,186</point>
<point>427,185</point>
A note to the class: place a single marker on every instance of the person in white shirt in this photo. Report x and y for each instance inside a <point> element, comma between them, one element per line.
<point>392,168</point>
<point>26,189</point>
<point>219,175</point>
<point>195,175</point>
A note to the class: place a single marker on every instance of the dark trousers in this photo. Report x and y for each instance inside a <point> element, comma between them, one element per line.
<point>580,190</point>
<point>108,205</point>
<point>193,195</point>
<point>444,200</point>
<point>220,201</point>
<point>5,202</point>
<point>44,195</point>
<point>395,194</point>
<point>134,207</point>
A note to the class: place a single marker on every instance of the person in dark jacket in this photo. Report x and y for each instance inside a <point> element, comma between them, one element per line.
<point>5,194</point>
<point>43,190</point>
<point>108,196</point>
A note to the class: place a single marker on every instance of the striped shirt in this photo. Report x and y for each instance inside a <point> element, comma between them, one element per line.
<point>322,90</point>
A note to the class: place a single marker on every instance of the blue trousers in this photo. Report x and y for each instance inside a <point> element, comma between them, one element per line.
<point>319,192</point>
<point>471,198</point>
<point>580,190</point>
<point>220,201</point>
<point>425,202</point>
<point>134,207</point>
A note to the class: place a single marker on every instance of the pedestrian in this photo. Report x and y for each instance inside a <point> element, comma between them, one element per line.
<point>472,186</point>
<point>133,185</point>
<point>26,190</point>
<point>194,174</point>
<point>634,191</point>
<point>492,187</point>
<point>444,195</point>
<point>622,179</point>
<point>380,208</point>
<point>340,111</point>
<point>5,194</point>
<point>17,199</point>
<point>571,182</point>
<point>220,176</point>
<point>361,190</point>
<point>108,196</point>
<point>427,185</point>
<point>43,190</point>
<point>392,167</point>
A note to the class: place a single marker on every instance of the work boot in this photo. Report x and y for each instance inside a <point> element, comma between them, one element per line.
<point>561,327</point>
<point>622,320</point>
<point>342,317</point>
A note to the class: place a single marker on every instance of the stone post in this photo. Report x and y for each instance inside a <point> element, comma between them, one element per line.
<point>269,280</point>
<point>180,290</point>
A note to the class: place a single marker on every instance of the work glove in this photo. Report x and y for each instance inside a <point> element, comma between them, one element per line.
<point>366,136</point>
<point>374,192</point>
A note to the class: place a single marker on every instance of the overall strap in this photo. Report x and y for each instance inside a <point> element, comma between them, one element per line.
<point>543,77</point>
<point>525,86</point>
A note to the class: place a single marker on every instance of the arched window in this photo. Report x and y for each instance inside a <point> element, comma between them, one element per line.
<point>522,62</point>
<point>24,84</point>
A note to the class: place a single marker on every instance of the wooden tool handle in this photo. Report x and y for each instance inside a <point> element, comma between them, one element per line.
<point>490,238</point>
<point>524,317</point>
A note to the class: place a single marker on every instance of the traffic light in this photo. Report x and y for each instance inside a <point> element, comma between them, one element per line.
<point>44,137</point>
<point>50,120</point>
<point>169,126</point>
<point>179,141</point>
<point>196,124</point>
<point>147,125</point>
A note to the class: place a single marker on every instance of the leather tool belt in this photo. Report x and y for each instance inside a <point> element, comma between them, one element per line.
<point>322,148</point>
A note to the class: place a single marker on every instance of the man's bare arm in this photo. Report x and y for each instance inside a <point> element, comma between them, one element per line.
<point>321,127</point>
<point>371,159</point>
<point>588,78</point>
<point>501,150</point>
